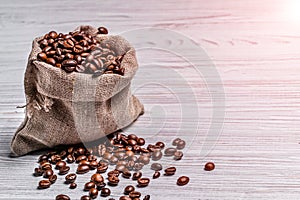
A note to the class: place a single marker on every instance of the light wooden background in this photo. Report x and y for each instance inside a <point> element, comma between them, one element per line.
<point>255,48</point>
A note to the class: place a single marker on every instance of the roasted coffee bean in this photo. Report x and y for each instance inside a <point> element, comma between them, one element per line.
<point>101,150</point>
<point>125,198</point>
<point>143,182</point>
<point>80,68</point>
<point>43,184</point>
<point>144,159</point>
<point>113,180</point>
<point>107,156</point>
<point>43,158</point>
<point>134,194</point>
<point>138,166</point>
<point>176,141</point>
<point>99,186</point>
<point>156,166</point>
<point>84,162</point>
<point>53,34</point>
<point>52,178</point>
<point>48,173</point>
<point>141,141</point>
<point>60,164</point>
<point>183,180</point>
<point>156,155</point>
<point>69,65</point>
<point>47,48</point>
<point>64,170</point>
<point>80,151</point>
<point>147,197</point>
<point>78,49</point>
<point>170,171</point>
<point>132,142</point>
<point>102,168</point>
<point>45,165</point>
<point>85,197</point>
<point>120,168</point>
<point>70,178</point>
<point>63,154</point>
<point>128,189</point>
<point>105,192</point>
<point>69,56</point>
<point>82,169</point>
<point>42,56</point>
<point>62,197</point>
<point>73,186</point>
<point>102,30</point>
<point>97,178</point>
<point>89,185</point>
<point>51,61</point>
<point>68,44</point>
<point>113,173</point>
<point>126,173</point>
<point>70,158</point>
<point>38,172</point>
<point>55,158</point>
<point>209,166</point>
<point>93,164</point>
<point>93,193</point>
<point>137,175</point>
<point>156,175</point>
<point>113,160</point>
<point>178,155</point>
<point>161,145</point>
<point>170,151</point>
<point>181,144</point>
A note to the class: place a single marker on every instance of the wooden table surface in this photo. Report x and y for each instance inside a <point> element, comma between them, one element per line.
<point>254,48</point>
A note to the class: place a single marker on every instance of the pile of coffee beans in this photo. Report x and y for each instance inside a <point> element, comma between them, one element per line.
<point>127,153</point>
<point>80,52</point>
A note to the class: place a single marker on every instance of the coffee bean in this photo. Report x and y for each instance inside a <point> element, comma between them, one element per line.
<point>38,172</point>
<point>53,34</point>
<point>144,159</point>
<point>156,175</point>
<point>113,173</point>
<point>68,44</point>
<point>51,61</point>
<point>70,158</point>
<point>101,150</point>
<point>113,180</point>
<point>125,198</point>
<point>147,197</point>
<point>120,168</point>
<point>181,144</point>
<point>93,164</point>
<point>80,68</point>
<point>183,180</point>
<point>78,49</point>
<point>102,30</point>
<point>134,194</point>
<point>43,184</point>
<point>64,170</point>
<point>84,162</point>
<point>70,178</point>
<point>45,165</point>
<point>97,178</point>
<point>89,185</point>
<point>82,169</point>
<point>42,56</point>
<point>93,192</point>
<point>62,197</point>
<point>113,160</point>
<point>128,189</point>
<point>102,168</point>
<point>170,171</point>
<point>178,155</point>
<point>105,192</point>
<point>85,197</point>
<point>136,175</point>
<point>156,155</point>
<point>99,186</point>
<point>60,164</point>
<point>209,166</point>
<point>138,166</point>
<point>52,178</point>
<point>176,141</point>
<point>141,141</point>
<point>107,156</point>
<point>170,151</point>
<point>143,182</point>
<point>161,145</point>
<point>69,65</point>
<point>48,173</point>
<point>126,174</point>
<point>73,186</point>
<point>156,166</point>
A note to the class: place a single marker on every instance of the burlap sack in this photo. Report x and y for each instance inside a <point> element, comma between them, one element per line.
<point>70,108</point>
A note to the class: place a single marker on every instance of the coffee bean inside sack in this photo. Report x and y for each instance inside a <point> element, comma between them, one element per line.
<point>115,159</point>
<point>80,52</point>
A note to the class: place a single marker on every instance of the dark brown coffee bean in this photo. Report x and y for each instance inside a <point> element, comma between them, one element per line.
<point>69,64</point>
<point>91,67</point>
<point>62,197</point>
<point>68,44</point>
<point>113,160</point>
<point>85,197</point>
<point>80,158</point>
<point>43,43</point>
<point>113,180</point>
<point>170,171</point>
<point>102,30</point>
<point>134,194</point>
<point>47,48</point>
<point>183,180</point>
<point>105,192</point>
<point>113,173</point>
<point>52,179</point>
<point>107,156</point>
<point>38,172</point>
<point>120,168</point>
<point>80,68</point>
<point>178,155</point>
<point>45,165</point>
<point>156,175</point>
<point>209,166</point>
<point>80,151</point>
<point>78,49</point>
<point>156,155</point>
<point>43,184</point>
<point>125,198</point>
<point>73,186</point>
<point>176,141</point>
<point>141,141</point>
<point>181,144</point>
<point>69,56</point>
<point>170,151</point>
<point>60,164</point>
<point>128,189</point>
<point>160,144</point>
<point>42,158</point>
<point>147,197</point>
<point>93,164</point>
<point>42,56</point>
<point>102,168</point>
<point>137,175</point>
<point>51,61</point>
<point>89,185</point>
<point>93,193</point>
<point>143,182</point>
<point>84,162</point>
<point>126,173</point>
<point>70,178</point>
<point>48,173</point>
<point>156,166</point>
<point>64,170</point>
<point>70,158</point>
<point>82,169</point>
<point>53,34</point>
<point>97,178</point>
<point>55,158</point>
<point>99,186</point>
<point>51,53</point>
<point>63,154</point>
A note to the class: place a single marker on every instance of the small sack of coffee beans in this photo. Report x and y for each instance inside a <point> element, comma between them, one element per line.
<point>77,88</point>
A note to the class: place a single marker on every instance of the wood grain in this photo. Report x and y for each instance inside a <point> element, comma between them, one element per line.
<point>255,49</point>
